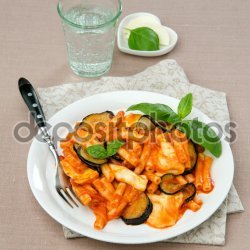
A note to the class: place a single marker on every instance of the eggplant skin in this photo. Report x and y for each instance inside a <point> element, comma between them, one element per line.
<point>189,198</point>
<point>117,157</point>
<point>99,117</point>
<point>143,217</point>
<point>151,122</point>
<point>164,189</point>
<point>77,148</point>
<point>189,191</point>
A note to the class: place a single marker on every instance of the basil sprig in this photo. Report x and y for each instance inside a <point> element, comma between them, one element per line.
<point>185,106</point>
<point>100,152</point>
<point>157,111</point>
<point>202,134</point>
<point>143,38</point>
<point>197,131</point>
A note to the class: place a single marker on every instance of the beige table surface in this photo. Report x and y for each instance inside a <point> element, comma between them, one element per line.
<point>214,50</point>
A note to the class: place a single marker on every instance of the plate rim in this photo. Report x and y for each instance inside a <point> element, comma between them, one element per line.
<point>105,237</point>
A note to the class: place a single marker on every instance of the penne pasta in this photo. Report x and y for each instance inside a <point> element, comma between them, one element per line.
<point>128,194</point>
<point>120,189</point>
<point>136,148</point>
<point>199,171</point>
<point>90,190</point>
<point>131,193</point>
<point>109,186</point>
<point>162,137</point>
<point>178,139</point>
<point>144,157</point>
<point>198,200</point>
<point>100,222</point>
<point>207,182</point>
<point>188,163</point>
<point>107,172</point>
<point>152,187</point>
<point>85,199</point>
<point>128,156</point>
<point>100,211</point>
<point>149,168</point>
<point>193,206</point>
<point>181,179</point>
<point>75,163</point>
<point>83,192</point>
<point>81,176</point>
<point>190,178</point>
<point>103,189</point>
<point>116,211</point>
<point>152,177</point>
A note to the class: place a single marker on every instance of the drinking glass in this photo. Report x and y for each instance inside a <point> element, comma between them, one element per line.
<point>89,28</point>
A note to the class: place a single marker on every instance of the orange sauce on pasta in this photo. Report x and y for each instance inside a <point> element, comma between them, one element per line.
<point>108,205</point>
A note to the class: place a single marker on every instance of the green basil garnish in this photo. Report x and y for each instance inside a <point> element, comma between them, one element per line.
<point>97,151</point>
<point>143,38</point>
<point>196,130</point>
<point>113,147</point>
<point>185,106</point>
<point>157,111</point>
<point>100,152</point>
<point>202,134</point>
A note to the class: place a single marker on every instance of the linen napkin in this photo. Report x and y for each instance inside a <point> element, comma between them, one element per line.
<point>166,77</point>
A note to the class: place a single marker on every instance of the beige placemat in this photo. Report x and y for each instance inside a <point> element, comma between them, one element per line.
<point>166,77</point>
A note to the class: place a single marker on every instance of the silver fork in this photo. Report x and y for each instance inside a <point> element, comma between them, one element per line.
<point>62,184</point>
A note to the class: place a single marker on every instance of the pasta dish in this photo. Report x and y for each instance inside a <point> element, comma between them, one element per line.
<point>134,167</point>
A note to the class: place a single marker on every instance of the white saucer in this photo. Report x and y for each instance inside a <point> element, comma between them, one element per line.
<point>123,43</point>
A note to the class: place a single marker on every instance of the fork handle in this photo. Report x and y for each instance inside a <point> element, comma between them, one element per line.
<point>30,98</point>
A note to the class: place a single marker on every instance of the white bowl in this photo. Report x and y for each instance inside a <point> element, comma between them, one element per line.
<point>123,42</point>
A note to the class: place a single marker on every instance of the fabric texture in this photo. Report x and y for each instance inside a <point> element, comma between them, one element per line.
<point>166,77</point>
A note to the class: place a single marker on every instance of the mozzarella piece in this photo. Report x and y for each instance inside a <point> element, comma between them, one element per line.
<point>137,22</point>
<point>165,209</point>
<point>170,160</point>
<point>164,160</point>
<point>149,22</point>
<point>123,174</point>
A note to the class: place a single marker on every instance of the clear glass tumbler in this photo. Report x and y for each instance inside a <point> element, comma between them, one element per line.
<point>89,27</point>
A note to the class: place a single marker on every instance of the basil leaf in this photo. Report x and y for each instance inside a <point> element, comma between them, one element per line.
<point>143,38</point>
<point>113,147</point>
<point>202,134</point>
<point>185,105</point>
<point>97,151</point>
<point>100,152</point>
<point>157,111</point>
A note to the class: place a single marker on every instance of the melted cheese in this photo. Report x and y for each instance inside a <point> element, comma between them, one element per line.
<point>166,209</point>
<point>165,160</point>
<point>123,174</point>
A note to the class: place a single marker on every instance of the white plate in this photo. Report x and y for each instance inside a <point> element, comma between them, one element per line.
<point>123,43</point>
<point>40,167</point>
